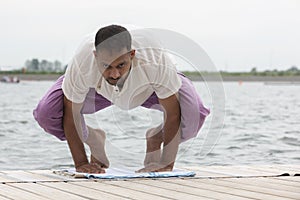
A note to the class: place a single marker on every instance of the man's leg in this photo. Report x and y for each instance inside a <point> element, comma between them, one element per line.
<point>193,114</point>
<point>49,111</point>
<point>49,115</point>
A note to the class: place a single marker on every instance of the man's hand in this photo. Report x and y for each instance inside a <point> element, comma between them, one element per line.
<point>91,168</point>
<point>155,167</point>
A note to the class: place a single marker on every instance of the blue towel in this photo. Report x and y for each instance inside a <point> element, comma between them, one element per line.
<point>116,173</point>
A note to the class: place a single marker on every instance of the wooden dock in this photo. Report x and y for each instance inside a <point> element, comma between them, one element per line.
<point>211,182</point>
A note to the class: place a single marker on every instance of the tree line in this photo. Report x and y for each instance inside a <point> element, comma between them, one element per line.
<point>35,65</point>
<point>292,71</point>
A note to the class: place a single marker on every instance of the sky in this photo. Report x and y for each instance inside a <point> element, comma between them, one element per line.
<point>236,34</point>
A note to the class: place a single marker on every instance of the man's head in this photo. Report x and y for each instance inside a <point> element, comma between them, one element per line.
<point>113,52</point>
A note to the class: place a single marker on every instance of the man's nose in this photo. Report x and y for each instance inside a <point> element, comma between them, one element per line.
<point>114,73</point>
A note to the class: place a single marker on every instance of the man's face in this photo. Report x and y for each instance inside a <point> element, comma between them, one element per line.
<point>114,65</point>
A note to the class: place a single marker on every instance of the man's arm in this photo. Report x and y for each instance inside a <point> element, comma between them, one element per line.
<point>73,133</point>
<point>171,136</point>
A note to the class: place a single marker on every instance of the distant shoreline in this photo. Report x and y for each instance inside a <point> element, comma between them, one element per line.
<point>250,78</point>
<point>227,78</point>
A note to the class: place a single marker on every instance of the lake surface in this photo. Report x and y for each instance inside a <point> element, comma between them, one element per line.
<point>261,126</point>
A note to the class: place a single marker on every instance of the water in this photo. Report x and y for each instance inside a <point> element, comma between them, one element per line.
<point>261,127</point>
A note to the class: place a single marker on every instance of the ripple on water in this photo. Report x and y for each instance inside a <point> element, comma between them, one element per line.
<point>233,147</point>
<point>5,121</point>
<point>212,154</point>
<point>290,140</point>
<point>243,139</point>
<point>296,158</point>
<point>275,151</point>
<point>291,132</point>
<point>13,121</point>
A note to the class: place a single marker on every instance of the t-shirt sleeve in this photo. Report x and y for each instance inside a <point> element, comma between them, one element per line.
<point>74,86</point>
<point>167,82</point>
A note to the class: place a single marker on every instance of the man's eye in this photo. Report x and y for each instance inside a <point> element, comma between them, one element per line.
<point>105,66</point>
<point>121,65</point>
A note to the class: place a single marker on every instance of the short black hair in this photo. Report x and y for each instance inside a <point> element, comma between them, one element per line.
<point>116,38</point>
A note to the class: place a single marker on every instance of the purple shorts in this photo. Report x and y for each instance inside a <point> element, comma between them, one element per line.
<point>49,111</point>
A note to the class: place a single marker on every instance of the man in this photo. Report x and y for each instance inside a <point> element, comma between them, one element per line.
<point>127,69</point>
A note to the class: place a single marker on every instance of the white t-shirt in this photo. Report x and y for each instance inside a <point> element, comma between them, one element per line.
<point>152,70</point>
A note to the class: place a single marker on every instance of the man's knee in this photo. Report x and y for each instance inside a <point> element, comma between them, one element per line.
<point>41,113</point>
<point>193,114</point>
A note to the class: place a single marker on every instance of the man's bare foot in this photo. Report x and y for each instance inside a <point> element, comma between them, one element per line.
<point>91,168</point>
<point>96,142</point>
<point>155,167</point>
<point>102,165</point>
<point>154,137</point>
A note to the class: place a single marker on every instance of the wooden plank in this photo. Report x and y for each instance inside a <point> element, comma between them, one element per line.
<point>233,191</point>
<point>3,198</point>
<point>15,193</point>
<point>20,176</point>
<point>286,181</point>
<point>263,182</point>
<point>241,171</point>
<point>267,169</point>
<point>36,176</point>
<point>131,193</point>
<point>69,175</point>
<point>41,177</point>
<point>7,176</point>
<point>259,188</point>
<point>206,185</point>
<point>292,170</point>
<point>83,191</point>
<point>6,179</point>
<point>47,192</point>
<point>288,166</point>
<point>49,174</point>
<point>270,169</point>
<point>204,172</point>
<point>226,171</point>
<point>291,179</point>
<point>211,172</point>
<point>171,190</point>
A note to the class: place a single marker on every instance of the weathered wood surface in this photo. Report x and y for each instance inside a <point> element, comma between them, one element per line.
<point>211,182</point>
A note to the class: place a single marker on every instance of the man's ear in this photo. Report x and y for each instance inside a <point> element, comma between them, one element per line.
<point>132,53</point>
<point>95,53</point>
